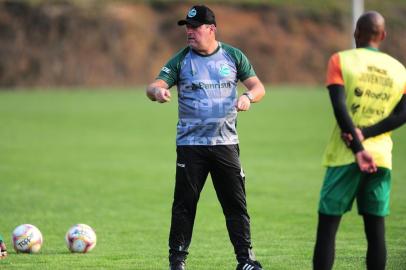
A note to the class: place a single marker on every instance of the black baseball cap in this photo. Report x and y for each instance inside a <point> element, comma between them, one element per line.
<point>199,15</point>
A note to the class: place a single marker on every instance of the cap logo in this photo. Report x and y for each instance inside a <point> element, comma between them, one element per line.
<point>192,13</point>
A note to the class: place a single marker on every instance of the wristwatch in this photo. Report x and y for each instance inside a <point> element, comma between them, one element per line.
<point>249,96</point>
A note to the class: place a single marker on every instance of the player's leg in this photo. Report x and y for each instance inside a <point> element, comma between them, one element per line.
<point>191,172</point>
<point>229,183</point>
<point>373,205</point>
<point>324,250</point>
<point>375,234</point>
<point>337,195</point>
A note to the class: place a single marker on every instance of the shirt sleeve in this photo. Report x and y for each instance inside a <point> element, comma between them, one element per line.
<point>245,69</point>
<point>334,74</point>
<point>170,72</point>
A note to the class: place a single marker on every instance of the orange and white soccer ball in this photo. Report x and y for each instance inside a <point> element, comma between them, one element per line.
<point>27,239</point>
<point>80,238</point>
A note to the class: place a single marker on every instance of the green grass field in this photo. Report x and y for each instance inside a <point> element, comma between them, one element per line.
<point>107,159</point>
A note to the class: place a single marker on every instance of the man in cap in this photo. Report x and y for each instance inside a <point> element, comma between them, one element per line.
<point>206,73</point>
<point>368,92</point>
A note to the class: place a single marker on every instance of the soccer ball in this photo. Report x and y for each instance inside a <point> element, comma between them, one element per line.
<point>80,238</point>
<point>27,239</point>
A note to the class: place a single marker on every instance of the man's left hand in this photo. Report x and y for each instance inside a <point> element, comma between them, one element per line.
<point>347,137</point>
<point>243,103</point>
<point>365,162</point>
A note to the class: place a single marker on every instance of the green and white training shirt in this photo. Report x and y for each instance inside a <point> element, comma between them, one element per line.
<point>207,93</point>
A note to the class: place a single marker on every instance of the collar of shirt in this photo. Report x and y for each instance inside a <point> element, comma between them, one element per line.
<point>372,49</point>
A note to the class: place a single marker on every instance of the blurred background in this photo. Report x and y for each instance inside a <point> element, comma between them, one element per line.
<point>125,43</point>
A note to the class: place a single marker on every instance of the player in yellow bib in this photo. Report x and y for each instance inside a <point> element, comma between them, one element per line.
<point>368,92</point>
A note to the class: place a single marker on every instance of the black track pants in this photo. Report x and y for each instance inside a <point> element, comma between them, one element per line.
<point>193,165</point>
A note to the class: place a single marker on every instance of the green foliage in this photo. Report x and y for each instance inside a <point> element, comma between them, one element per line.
<point>107,158</point>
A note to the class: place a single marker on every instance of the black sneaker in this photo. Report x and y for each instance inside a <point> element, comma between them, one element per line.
<point>179,265</point>
<point>249,265</point>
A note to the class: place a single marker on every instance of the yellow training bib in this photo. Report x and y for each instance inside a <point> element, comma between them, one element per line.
<point>374,83</point>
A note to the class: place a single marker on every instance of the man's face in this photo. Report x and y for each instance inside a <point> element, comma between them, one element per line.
<point>199,37</point>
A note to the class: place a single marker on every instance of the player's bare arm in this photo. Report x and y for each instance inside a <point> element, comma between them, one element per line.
<point>255,92</point>
<point>158,91</point>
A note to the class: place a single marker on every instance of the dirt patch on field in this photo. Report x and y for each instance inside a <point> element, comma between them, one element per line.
<point>125,44</point>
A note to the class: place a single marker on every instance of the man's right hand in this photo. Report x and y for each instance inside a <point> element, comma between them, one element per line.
<point>365,162</point>
<point>162,95</point>
<point>159,91</point>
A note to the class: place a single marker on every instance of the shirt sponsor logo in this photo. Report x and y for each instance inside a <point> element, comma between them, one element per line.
<point>355,108</point>
<point>382,96</point>
<point>376,79</point>
<point>358,92</point>
<point>369,93</point>
<point>377,70</point>
<point>367,111</point>
<point>370,111</point>
<point>208,86</point>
